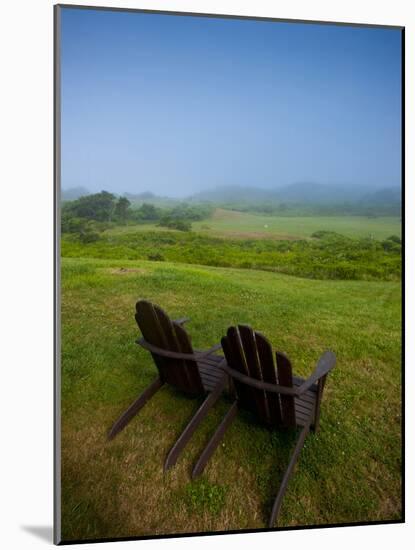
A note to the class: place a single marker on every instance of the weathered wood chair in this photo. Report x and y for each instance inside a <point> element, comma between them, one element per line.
<point>195,373</point>
<point>274,395</point>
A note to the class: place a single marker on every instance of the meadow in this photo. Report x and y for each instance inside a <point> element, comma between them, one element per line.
<point>232,224</point>
<point>348,472</point>
<point>327,255</point>
<point>235,224</point>
<point>310,285</point>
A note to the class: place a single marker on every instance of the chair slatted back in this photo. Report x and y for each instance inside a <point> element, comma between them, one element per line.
<point>250,353</point>
<point>159,330</point>
<point>285,378</point>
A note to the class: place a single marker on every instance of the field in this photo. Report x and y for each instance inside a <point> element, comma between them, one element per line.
<point>325,255</point>
<point>243,224</point>
<point>348,472</point>
<point>234,224</point>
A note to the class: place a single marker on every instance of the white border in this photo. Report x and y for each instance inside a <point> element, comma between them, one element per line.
<point>26,130</point>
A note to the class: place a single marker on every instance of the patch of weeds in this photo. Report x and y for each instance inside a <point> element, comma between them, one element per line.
<point>203,496</point>
<point>157,257</point>
<point>328,255</point>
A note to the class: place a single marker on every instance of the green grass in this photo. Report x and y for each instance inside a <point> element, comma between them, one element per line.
<point>234,224</point>
<point>227,223</point>
<point>330,257</point>
<point>202,496</point>
<point>348,472</point>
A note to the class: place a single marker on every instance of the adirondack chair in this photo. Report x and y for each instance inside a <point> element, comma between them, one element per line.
<point>276,397</point>
<point>194,372</point>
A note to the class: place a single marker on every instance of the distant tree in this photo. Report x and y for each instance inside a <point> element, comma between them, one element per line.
<point>86,230</point>
<point>122,209</point>
<point>71,224</point>
<point>147,212</point>
<point>184,211</point>
<point>99,206</point>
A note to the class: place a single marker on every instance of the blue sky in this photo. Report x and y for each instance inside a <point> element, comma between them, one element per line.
<point>176,104</point>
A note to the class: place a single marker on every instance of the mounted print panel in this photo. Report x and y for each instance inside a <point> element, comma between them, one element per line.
<point>229,260</point>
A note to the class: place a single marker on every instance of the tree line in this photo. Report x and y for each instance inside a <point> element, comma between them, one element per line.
<point>90,214</point>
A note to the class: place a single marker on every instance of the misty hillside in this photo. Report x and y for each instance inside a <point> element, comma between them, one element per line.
<point>306,197</point>
<point>144,196</point>
<point>318,193</point>
<point>302,193</point>
<point>232,193</point>
<point>391,195</point>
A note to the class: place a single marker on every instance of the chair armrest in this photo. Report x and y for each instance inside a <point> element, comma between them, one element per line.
<point>165,353</point>
<point>324,365</point>
<point>175,354</point>
<point>182,320</point>
<point>211,350</point>
<point>258,384</point>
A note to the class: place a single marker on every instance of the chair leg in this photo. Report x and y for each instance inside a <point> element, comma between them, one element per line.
<point>133,409</point>
<point>180,444</point>
<point>214,441</point>
<point>283,487</point>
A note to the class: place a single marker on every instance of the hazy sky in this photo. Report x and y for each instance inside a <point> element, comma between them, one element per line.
<point>176,104</point>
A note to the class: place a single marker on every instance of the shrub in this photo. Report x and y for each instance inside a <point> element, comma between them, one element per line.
<point>99,206</point>
<point>391,246</point>
<point>88,236</point>
<point>156,257</point>
<point>172,223</point>
<point>335,257</point>
<point>322,234</point>
<point>394,239</point>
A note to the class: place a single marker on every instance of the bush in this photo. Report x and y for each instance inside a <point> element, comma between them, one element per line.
<point>171,223</point>
<point>99,206</point>
<point>89,236</point>
<point>72,225</point>
<point>147,212</point>
<point>156,257</point>
<point>394,239</point>
<point>391,246</point>
<point>324,234</point>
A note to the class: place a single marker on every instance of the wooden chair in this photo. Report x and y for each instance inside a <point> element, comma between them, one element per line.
<point>274,395</point>
<point>195,373</point>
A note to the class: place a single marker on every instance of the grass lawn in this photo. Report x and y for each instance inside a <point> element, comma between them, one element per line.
<point>348,472</point>
<point>246,225</point>
<point>228,223</point>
